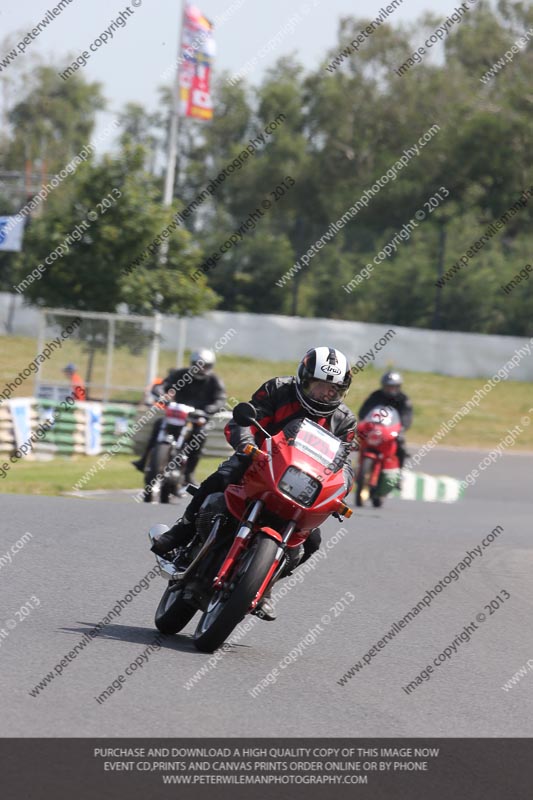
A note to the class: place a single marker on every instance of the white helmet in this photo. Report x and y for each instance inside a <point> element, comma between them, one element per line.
<point>203,362</point>
<point>322,381</point>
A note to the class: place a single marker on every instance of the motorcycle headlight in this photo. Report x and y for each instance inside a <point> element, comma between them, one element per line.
<point>175,423</point>
<point>375,437</point>
<point>299,486</point>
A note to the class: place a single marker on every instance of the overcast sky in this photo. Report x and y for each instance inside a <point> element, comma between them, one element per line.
<point>131,65</point>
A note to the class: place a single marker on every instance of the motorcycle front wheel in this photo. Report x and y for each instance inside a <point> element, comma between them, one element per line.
<point>173,613</point>
<point>155,489</point>
<point>363,479</point>
<point>228,607</point>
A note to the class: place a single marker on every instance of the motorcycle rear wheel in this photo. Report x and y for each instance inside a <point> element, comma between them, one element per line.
<point>225,612</point>
<point>173,613</point>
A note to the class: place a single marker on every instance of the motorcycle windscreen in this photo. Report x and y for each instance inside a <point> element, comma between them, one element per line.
<point>313,440</point>
<point>383,415</point>
<point>177,413</point>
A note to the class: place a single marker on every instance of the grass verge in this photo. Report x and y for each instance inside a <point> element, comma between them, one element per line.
<point>436,399</point>
<point>59,476</point>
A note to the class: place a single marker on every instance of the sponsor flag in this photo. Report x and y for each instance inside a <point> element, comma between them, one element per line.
<point>20,409</point>
<point>11,230</point>
<point>197,51</point>
<point>93,428</point>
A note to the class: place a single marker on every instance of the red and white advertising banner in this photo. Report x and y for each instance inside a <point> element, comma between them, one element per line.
<point>197,51</point>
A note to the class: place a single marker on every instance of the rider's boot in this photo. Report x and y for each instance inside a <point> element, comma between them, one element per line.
<point>179,535</point>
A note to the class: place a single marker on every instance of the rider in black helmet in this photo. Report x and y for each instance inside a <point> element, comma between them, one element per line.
<point>391,394</point>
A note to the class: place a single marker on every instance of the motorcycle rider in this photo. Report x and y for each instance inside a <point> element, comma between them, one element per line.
<point>198,386</point>
<point>391,395</point>
<point>315,392</point>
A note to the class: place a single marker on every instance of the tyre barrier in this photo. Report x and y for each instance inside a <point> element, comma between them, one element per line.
<point>92,428</point>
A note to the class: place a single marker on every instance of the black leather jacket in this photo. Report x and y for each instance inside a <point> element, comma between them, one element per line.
<point>401,403</point>
<point>206,393</point>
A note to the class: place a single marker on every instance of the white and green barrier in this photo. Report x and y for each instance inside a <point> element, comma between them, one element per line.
<point>88,428</point>
<point>429,488</point>
<point>93,428</point>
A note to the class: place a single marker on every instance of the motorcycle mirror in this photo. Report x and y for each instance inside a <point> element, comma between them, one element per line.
<point>244,414</point>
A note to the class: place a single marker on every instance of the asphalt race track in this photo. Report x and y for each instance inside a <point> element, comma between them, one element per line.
<point>87,554</point>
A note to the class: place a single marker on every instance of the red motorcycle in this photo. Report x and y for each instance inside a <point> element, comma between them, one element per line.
<point>245,535</point>
<point>379,469</point>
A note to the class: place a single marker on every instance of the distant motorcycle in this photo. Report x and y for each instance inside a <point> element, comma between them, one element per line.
<point>245,536</point>
<point>166,465</point>
<point>379,468</point>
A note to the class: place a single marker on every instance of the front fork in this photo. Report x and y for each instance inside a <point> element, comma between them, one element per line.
<point>240,543</point>
<point>376,472</point>
<point>277,565</point>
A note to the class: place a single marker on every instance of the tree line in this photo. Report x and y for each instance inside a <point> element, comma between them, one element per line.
<point>344,131</point>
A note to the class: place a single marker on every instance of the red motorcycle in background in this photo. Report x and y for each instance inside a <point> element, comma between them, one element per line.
<point>379,468</point>
<point>244,535</point>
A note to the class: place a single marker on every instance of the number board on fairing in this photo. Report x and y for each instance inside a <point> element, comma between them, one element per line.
<point>317,442</point>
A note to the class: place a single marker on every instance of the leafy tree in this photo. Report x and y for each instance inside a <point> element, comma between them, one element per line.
<point>55,119</point>
<point>95,274</point>
<point>138,127</point>
<point>339,131</point>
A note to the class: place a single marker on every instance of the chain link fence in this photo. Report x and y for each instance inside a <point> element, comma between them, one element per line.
<point>115,355</point>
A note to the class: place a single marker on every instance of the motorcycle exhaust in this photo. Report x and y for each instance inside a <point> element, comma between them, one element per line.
<point>207,546</point>
<point>168,570</point>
